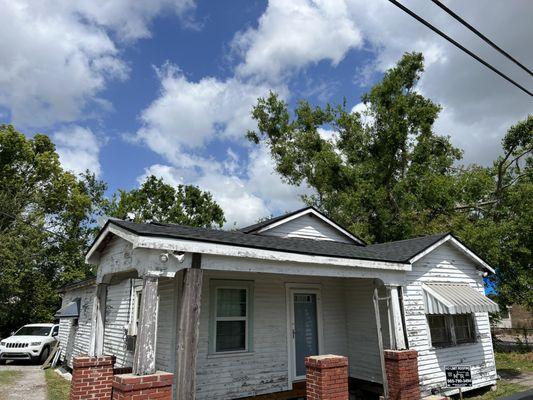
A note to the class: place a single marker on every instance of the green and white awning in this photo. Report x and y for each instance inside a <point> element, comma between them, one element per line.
<point>449,298</point>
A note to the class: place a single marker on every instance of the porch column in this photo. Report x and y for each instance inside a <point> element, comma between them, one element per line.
<point>96,345</point>
<point>144,358</point>
<point>397,322</point>
<point>188,331</point>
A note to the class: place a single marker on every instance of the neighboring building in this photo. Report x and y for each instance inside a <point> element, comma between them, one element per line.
<point>521,317</point>
<point>271,294</point>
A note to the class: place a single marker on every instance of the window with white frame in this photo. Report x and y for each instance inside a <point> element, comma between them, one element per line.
<point>231,316</point>
<point>450,330</point>
<point>136,310</point>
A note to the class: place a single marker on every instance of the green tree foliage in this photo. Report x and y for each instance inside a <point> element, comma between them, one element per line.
<point>46,222</point>
<point>158,201</point>
<point>387,175</point>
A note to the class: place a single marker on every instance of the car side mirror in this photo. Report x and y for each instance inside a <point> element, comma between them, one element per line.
<point>54,333</point>
<point>12,333</point>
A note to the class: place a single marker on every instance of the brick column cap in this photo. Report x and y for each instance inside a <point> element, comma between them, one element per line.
<point>132,382</point>
<point>88,361</point>
<point>326,361</point>
<point>400,354</point>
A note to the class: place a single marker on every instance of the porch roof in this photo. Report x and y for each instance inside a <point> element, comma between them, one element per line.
<point>289,245</point>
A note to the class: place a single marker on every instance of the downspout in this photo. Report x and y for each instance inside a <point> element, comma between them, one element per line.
<point>380,343</point>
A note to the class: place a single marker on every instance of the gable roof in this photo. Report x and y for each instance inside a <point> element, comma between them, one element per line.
<point>281,219</point>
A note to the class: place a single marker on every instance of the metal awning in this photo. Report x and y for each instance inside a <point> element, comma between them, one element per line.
<point>71,310</point>
<point>449,298</point>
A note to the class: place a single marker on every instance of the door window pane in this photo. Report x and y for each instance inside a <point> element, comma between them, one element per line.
<point>305,329</point>
<point>231,336</point>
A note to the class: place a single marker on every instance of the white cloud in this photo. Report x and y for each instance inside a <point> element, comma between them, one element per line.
<point>78,149</point>
<point>478,106</point>
<point>258,193</point>
<point>58,56</point>
<point>190,114</point>
<point>293,34</point>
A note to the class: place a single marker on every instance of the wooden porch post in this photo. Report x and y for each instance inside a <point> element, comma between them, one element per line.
<point>96,345</point>
<point>144,358</point>
<point>189,322</point>
<point>397,323</point>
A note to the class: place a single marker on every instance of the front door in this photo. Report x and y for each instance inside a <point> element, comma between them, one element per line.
<point>304,323</point>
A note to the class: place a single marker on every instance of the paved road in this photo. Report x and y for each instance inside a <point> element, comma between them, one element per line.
<point>31,385</point>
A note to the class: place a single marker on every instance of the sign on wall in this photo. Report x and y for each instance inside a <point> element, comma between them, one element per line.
<point>458,376</point>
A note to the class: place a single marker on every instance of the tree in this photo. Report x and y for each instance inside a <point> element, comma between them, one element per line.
<point>388,176</point>
<point>46,222</point>
<point>158,201</point>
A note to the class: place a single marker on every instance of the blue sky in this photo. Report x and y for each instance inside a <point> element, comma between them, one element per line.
<point>165,86</point>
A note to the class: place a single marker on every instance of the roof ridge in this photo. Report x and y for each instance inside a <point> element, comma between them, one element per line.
<point>442,234</point>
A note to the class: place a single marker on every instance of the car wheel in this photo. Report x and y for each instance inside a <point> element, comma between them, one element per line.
<point>44,354</point>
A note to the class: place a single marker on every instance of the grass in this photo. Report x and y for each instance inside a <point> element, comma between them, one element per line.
<point>8,377</point>
<point>504,389</point>
<point>58,388</point>
<point>514,362</point>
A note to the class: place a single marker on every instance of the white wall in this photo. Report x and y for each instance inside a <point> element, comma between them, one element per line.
<point>74,340</point>
<point>446,264</point>
<point>266,369</point>
<point>308,227</point>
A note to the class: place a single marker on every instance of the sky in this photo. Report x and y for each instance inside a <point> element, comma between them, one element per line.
<point>165,87</point>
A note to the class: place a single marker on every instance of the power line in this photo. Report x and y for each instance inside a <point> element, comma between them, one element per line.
<point>458,45</point>
<point>486,39</point>
<point>42,228</point>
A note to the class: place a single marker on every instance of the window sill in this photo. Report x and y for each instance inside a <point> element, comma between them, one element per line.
<point>452,346</point>
<point>231,354</point>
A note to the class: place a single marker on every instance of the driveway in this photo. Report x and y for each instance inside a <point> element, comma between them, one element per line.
<point>30,385</point>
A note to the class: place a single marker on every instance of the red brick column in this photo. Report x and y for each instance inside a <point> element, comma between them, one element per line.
<point>327,377</point>
<point>402,374</point>
<point>143,387</point>
<point>92,378</point>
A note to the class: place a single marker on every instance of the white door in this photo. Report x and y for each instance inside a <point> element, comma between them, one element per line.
<point>304,328</point>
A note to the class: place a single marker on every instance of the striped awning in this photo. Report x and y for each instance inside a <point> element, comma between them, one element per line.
<point>449,298</point>
<point>71,310</point>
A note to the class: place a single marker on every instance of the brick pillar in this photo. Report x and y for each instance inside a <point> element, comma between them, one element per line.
<point>143,387</point>
<point>327,377</point>
<point>402,374</point>
<point>92,378</point>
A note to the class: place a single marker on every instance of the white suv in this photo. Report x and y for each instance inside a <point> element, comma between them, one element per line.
<point>31,342</point>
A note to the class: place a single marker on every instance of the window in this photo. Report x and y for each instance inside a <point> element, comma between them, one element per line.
<point>136,310</point>
<point>450,330</point>
<point>231,309</point>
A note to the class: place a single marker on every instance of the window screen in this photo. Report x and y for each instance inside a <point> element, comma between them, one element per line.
<point>440,334</point>
<point>464,328</point>
<point>231,319</point>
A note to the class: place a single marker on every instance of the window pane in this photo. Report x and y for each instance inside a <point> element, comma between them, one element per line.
<point>231,302</point>
<point>231,336</point>
<point>439,332</point>
<point>464,332</point>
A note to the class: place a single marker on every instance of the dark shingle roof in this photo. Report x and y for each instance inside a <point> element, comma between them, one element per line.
<point>399,252</point>
<point>266,222</point>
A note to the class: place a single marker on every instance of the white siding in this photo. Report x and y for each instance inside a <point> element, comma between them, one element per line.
<point>117,317</point>
<point>363,350</point>
<point>446,264</point>
<point>265,370</point>
<point>308,227</point>
<point>166,326</point>
<point>74,340</point>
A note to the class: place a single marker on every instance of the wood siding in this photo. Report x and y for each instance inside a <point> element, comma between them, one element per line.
<point>74,340</point>
<point>363,354</point>
<point>117,318</point>
<point>308,227</point>
<point>265,369</point>
<point>446,264</point>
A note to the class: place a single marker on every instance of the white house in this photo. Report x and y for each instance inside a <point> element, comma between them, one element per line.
<point>234,313</point>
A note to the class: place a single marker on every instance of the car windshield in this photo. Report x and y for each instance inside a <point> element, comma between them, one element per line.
<point>33,331</point>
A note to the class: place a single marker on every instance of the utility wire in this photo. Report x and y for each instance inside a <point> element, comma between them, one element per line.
<point>482,36</point>
<point>42,228</point>
<point>458,45</point>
